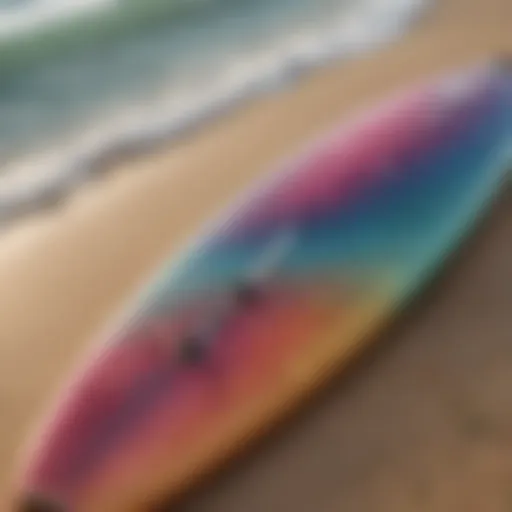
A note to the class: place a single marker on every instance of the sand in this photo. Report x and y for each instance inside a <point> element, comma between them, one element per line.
<point>65,273</point>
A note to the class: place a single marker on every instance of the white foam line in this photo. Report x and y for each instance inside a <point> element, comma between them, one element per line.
<point>44,180</point>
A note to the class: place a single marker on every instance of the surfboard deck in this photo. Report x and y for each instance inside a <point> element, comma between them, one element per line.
<point>275,296</point>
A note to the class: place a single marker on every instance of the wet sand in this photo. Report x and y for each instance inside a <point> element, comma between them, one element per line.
<point>424,424</point>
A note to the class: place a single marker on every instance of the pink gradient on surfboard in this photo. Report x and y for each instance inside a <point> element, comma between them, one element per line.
<point>367,149</point>
<point>248,363</point>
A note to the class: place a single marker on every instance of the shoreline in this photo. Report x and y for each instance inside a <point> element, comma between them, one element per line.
<point>46,180</point>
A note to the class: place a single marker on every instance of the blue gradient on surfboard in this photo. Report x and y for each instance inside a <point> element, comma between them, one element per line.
<point>394,228</point>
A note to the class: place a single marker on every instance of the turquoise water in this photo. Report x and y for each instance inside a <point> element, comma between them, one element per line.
<point>83,78</point>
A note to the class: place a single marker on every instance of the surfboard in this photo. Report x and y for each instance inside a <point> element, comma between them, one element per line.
<point>274,296</point>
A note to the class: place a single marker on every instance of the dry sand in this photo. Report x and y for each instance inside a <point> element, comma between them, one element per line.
<point>423,426</point>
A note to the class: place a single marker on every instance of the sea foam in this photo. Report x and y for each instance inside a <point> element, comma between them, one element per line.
<point>176,110</point>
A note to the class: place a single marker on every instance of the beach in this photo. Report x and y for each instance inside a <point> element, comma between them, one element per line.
<point>69,271</point>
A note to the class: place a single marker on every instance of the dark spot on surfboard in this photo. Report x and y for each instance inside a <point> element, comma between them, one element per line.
<point>247,294</point>
<point>33,503</point>
<point>192,350</point>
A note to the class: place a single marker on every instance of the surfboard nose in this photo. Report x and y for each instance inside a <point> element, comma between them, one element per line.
<point>34,503</point>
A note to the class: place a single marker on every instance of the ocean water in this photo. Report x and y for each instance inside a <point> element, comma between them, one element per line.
<point>83,82</point>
